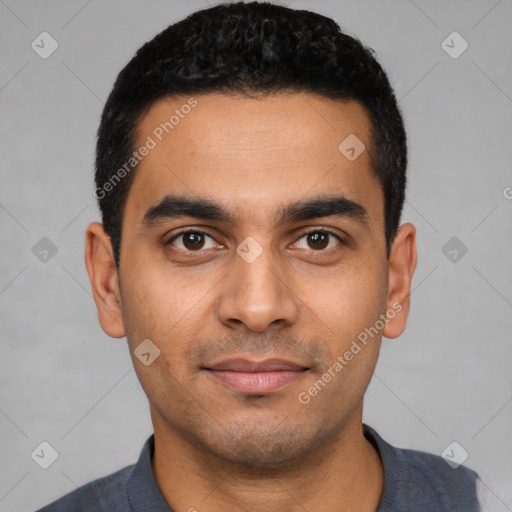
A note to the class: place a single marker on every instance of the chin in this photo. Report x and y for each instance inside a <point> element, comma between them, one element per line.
<point>265,450</point>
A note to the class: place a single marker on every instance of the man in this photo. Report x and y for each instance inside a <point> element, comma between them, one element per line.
<point>251,173</point>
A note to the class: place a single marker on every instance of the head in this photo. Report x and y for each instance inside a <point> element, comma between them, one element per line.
<point>251,173</point>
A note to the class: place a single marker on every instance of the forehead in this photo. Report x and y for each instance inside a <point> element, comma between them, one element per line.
<point>254,154</point>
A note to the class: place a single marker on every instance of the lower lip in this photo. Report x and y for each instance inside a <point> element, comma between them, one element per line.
<point>256,382</point>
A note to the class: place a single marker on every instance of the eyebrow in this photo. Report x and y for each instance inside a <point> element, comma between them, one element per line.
<point>174,206</point>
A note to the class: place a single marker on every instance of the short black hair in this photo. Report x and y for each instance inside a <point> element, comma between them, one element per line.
<point>254,49</point>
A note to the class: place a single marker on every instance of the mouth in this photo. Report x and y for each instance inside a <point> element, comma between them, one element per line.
<point>256,377</point>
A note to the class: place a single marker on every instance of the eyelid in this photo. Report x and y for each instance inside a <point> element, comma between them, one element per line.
<point>322,229</point>
<point>330,232</point>
<point>191,230</point>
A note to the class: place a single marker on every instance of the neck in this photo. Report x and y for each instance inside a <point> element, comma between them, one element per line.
<point>344,474</point>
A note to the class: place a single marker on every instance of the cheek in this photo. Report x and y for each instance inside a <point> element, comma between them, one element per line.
<point>162,306</point>
<point>150,294</point>
<point>155,310</point>
<point>350,313</point>
<point>350,301</point>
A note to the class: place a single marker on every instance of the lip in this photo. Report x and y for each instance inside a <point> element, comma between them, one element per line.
<point>242,364</point>
<point>256,377</point>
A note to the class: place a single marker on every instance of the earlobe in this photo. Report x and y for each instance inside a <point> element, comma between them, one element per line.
<point>101,268</point>
<point>402,263</point>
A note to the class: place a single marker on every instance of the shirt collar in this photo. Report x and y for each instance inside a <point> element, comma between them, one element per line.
<point>143,492</point>
<point>395,467</point>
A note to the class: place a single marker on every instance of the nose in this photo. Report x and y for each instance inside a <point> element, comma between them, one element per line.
<point>256,297</point>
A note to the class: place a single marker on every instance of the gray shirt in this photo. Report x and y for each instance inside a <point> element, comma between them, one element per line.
<point>415,481</point>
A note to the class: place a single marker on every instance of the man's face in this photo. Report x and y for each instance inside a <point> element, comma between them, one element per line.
<point>254,286</point>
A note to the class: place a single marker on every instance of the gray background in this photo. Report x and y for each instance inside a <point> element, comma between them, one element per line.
<point>447,378</point>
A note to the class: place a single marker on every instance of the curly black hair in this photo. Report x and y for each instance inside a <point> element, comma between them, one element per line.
<point>253,49</point>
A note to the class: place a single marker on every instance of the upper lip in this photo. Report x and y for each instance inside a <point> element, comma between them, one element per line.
<point>248,365</point>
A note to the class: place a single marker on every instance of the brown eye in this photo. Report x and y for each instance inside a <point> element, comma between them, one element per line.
<point>192,241</point>
<point>318,240</point>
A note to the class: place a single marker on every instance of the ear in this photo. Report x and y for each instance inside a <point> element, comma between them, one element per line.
<point>401,266</point>
<point>100,263</point>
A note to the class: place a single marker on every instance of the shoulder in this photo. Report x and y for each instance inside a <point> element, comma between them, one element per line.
<point>432,478</point>
<point>130,488</point>
<point>425,479</point>
<point>431,471</point>
<point>108,493</point>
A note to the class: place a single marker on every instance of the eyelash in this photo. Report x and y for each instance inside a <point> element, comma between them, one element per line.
<point>199,232</point>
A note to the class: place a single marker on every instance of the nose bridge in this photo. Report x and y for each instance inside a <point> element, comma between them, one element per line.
<point>258,279</point>
<point>255,294</point>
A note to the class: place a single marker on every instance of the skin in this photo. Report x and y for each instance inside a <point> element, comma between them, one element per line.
<point>219,449</point>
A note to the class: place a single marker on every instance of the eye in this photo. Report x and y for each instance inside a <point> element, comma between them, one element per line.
<point>319,240</point>
<point>192,241</point>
